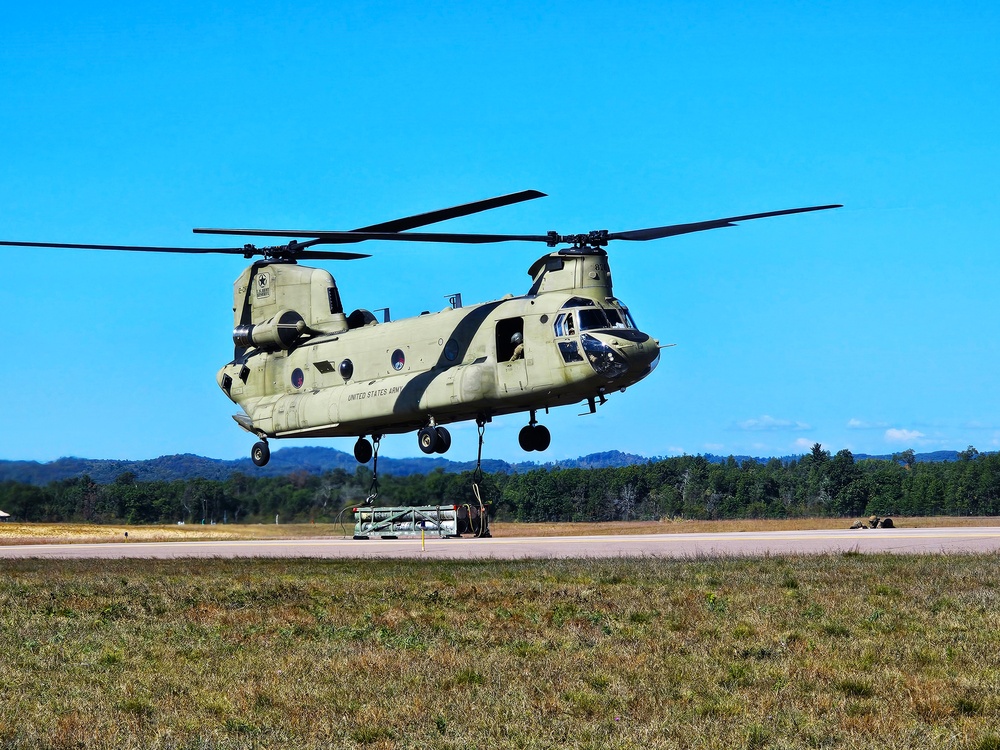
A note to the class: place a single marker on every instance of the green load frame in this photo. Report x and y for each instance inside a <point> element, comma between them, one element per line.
<point>443,521</point>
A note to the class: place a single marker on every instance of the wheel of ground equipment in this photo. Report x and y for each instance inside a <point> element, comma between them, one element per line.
<point>444,440</point>
<point>362,451</point>
<point>260,454</point>
<point>427,439</point>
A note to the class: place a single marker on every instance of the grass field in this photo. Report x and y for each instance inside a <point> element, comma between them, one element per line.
<point>846,651</point>
<point>49,533</point>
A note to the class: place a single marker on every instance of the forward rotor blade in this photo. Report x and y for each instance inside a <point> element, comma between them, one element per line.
<point>363,235</point>
<point>672,230</point>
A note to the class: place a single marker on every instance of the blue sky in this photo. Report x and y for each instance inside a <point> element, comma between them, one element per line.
<point>871,327</point>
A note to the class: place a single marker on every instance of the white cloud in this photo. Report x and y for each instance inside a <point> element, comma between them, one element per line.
<point>894,435</point>
<point>714,446</point>
<point>977,425</point>
<point>804,443</point>
<point>860,424</point>
<point>767,422</point>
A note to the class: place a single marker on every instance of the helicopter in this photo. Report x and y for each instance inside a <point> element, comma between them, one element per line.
<point>303,367</point>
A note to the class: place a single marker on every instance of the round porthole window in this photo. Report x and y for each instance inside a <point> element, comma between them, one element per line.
<point>298,378</point>
<point>398,359</point>
<point>346,369</point>
<point>451,350</point>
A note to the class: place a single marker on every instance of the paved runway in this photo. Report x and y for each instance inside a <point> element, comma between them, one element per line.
<point>899,541</point>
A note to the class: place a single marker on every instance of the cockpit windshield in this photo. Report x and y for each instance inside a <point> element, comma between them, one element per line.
<point>592,318</point>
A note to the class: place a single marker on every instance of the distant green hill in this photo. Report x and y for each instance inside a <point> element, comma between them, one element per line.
<point>318,460</point>
<point>311,460</point>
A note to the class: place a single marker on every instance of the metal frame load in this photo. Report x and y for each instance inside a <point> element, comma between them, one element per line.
<point>442,521</point>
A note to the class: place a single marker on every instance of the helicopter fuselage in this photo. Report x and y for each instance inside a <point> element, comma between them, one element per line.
<point>568,340</point>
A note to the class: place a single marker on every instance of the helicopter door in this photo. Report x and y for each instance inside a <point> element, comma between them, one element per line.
<point>512,372</point>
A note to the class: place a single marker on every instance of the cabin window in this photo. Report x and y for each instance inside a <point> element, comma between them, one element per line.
<point>346,369</point>
<point>298,378</point>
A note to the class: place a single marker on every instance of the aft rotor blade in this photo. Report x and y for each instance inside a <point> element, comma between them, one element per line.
<point>246,251</point>
<point>443,214</point>
<point>396,225</point>
<point>333,238</point>
<point>672,230</point>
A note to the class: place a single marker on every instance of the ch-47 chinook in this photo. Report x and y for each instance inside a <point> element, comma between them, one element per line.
<point>304,368</point>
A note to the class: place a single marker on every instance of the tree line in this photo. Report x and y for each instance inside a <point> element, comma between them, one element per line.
<point>817,484</point>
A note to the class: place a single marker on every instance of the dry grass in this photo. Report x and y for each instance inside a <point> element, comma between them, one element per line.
<point>41,533</point>
<point>682,526</point>
<point>65,533</point>
<point>847,651</point>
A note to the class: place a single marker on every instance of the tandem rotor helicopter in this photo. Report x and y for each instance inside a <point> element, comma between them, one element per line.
<point>302,367</point>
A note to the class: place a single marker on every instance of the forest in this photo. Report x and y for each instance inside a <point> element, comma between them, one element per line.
<point>816,484</point>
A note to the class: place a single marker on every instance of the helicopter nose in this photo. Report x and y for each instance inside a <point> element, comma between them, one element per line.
<point>641,350</point>
<point>627,355</point>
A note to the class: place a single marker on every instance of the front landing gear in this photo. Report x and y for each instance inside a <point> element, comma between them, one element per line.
<point>260,454</point>
<point>533,436</point>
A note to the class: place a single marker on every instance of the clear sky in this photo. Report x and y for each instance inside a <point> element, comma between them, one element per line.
<point>873,327</point>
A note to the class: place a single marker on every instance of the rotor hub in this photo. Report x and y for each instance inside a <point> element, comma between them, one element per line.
<point>593,239</point>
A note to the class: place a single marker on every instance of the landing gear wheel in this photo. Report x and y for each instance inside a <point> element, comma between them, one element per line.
<point>444,440</point>
<point>534,437</point>
<point>260,454</point>
<point>542,437</point>
<point>427,439</point>
<point>362,451</point>
<point>525,438</point>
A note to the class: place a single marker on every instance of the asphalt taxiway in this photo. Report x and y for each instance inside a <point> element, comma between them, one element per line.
<point>732,544</point>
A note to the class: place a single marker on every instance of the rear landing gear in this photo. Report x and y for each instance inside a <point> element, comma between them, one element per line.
<point>260,454</point>
<point>362,451</point>
<point>433,439</point>
<point>533,436</point>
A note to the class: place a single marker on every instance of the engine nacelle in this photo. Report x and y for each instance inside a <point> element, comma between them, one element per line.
<point>278,332</point>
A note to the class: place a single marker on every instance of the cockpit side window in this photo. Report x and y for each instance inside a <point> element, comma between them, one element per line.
<point>564,325</point>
